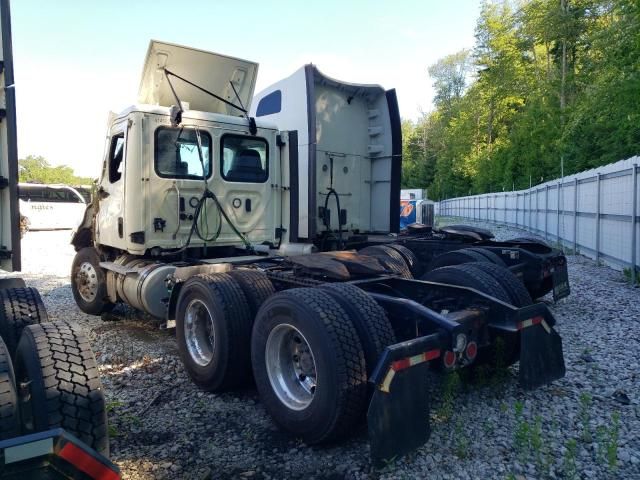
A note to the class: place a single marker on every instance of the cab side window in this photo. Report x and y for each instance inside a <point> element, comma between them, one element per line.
<point>116,157</point>
<point>244,159</point>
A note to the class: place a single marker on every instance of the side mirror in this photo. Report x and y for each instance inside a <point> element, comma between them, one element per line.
<point>175,115</point>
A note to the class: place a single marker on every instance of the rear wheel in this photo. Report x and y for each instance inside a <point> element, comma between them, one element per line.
<point>518,293</point>
<point>457,257</point>
<point>9,419</point>
<point>503,348</point>
<point>89,283</point>
<point>20,307</point>
<point>410,258</point>
<point>213,327</point>
<point>309,364</point>
<point>369,319</point>
<point>256,287</point>
<point>60,385</point>
<point>489,255</point>
<point>389,258</point>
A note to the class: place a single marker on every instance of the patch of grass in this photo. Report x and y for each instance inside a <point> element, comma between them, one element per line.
<point>569,460</point>
<point>113,431</point>
<point>462,442</point>
<point>111,406</point>
<point>611,445</point>
<point>449,392</point>
<point>626,272</point>
<point>585,416</point>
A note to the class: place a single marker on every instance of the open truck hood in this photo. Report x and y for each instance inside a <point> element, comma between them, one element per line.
<point>208,70</point>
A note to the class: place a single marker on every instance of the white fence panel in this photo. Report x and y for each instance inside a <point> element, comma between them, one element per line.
<point>596,213</point>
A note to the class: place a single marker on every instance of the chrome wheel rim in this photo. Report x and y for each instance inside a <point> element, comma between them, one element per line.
<point>199,333</point>
<point>87,282</point>
<point>291,366</point>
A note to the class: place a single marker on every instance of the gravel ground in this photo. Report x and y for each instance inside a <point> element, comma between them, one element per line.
<point>583,426</point>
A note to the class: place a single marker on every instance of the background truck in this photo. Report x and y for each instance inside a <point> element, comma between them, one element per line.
<point>53,422</point>
<point>266,232</point>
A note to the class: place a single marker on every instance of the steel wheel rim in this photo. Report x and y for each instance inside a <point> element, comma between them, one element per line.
<point>199,332</point>
<point>87,282</point>
<point>291,366</point>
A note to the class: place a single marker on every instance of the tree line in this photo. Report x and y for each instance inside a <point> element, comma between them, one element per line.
<point>551,87</point>
<point>36,169</point>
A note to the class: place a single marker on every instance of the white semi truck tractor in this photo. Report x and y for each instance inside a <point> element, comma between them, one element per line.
<point>265,230</point>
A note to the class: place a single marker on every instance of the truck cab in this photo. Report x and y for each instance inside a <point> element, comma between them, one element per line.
<point>155,171</point>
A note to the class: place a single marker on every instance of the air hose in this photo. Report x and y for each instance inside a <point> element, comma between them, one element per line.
<point>327,225</point>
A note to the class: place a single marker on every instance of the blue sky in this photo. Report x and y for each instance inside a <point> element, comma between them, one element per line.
<point>76,60</point>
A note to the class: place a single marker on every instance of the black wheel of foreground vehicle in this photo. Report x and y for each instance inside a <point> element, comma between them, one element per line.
<point>309,365</point>
<point>518,293</point>
<point>489,255</point>
<point>19,308</point>
<point>9,418</point>
<point>412,261</point>
<point>213,331</point>
<point>368,318</point>
<point>59,384</point>
<point>389,258</point>
<point>256,287</point>
<point>456,257</point>
<point>89,283</point>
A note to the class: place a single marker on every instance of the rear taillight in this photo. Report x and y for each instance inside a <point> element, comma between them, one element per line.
<point>472,351</point>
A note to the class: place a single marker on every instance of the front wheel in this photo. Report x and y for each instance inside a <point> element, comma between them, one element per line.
<point>89,283</point>
<point>309,364</point>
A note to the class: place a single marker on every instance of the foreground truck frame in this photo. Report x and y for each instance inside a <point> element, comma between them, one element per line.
<point>265,231</point>
<point>53,420</point>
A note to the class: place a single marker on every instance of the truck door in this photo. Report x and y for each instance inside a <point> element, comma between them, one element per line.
<point>248,170</point>
<point>110,218</point>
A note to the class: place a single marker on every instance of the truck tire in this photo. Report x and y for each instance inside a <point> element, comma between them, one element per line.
<point>89,283</point>
<point>389,258</point>
<point>468,276</point>
<point>489,255</point>
<point>213,331</point>
<point>20,307</point>
<point>410,258</point>
<point>9,418</point>
<point>518,293</point>
<point>302,338</point>
<point>369,319</point>
<point>456,257</point>
<point>256,287</point>
<point>62,384</point>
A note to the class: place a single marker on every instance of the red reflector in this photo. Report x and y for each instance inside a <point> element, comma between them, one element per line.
<point>86,463</point>
<point>531,322</point>
<point>449,359</point>
<point>401,364</point>
<point>415,360</point>
<point>430,355</point>
<point>472,350</point>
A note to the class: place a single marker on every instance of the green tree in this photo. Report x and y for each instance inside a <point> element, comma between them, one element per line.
<point>36,169</point>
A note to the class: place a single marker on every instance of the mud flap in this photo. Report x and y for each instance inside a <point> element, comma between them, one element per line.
<point>398,420</point>
<point>560,279</point>
<point>541,358</point>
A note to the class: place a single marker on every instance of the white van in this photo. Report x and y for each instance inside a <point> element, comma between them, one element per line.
<point>51,207</point>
